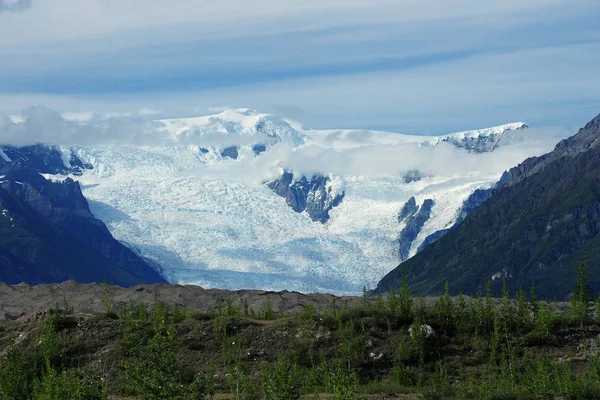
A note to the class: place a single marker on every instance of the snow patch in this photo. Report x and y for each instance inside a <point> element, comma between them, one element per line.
<point>4,156</point>
<point>65,155</point>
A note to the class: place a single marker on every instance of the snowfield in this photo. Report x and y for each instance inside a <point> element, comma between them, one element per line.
<point>210,220</point>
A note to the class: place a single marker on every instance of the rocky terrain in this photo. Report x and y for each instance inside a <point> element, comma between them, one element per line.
<point>17,301</point>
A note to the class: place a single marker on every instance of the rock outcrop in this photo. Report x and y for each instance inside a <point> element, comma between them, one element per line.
<point>312,195</point>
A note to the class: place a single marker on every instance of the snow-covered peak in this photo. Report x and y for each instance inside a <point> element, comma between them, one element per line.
<point>480,140</point>
<point>496,130</point>
<point>247,124</point>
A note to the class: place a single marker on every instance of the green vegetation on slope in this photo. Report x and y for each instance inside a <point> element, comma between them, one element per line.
<point>476,347</point>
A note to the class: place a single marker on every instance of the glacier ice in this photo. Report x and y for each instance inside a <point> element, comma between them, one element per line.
<point>211,220</point>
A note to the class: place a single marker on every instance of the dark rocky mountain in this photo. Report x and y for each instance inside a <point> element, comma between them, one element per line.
<point>48,234</point>
<point>540,221</point>
<point>415,217</point>
<point>307,194</point>
<point>585,139</point>
<point>43,158</point>
<point>472,202</point>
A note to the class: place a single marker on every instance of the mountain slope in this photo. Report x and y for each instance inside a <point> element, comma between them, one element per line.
<point>541,221</point>
<point>47,234</point>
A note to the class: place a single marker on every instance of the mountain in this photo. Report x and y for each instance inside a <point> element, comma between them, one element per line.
<point>541,220</point>
<point>44,159</point>
<point>483,140</point>
<point>48,234</point>
<point>243,199</point>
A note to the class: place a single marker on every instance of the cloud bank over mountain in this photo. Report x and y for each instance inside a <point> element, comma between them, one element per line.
<point>362,153</point>
<point>426,67</point>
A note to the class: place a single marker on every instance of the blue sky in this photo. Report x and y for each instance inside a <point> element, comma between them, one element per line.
<point>428,66</point>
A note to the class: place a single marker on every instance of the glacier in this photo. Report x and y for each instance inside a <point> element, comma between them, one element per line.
<point>210,219</point>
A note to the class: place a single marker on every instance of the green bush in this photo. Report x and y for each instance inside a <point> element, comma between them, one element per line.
<point>69,385</point>
<point>16,374</point>
<point>280,381</point>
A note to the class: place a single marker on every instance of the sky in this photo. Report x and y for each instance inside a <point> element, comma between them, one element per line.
<point>411,66</point>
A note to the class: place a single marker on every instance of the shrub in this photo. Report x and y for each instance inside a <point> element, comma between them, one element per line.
<point>445,312</point>
<point>71,385</point>
<point>152,372</point>
<point>342,382</point>
<point>280,382</point>
<point>269,313</point>
<point>16,372</point>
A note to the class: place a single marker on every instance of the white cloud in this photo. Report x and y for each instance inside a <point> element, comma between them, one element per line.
<point>359,158</point>
<point>375,161</point>
<point>60,20</point>
<point>441,160</point>
<point>40,124</point>
<point>218,109</point>
<point>148,111</point>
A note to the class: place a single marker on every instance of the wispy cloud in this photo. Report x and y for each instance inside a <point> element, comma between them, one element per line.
<point>359,156</point>
<point>14,5</point>
<point>290,111</point>
<point>415,66</point>
<point>40,124</point>
<point>377,161</point>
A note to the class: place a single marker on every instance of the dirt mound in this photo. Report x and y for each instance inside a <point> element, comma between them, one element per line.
<point>19,300</point>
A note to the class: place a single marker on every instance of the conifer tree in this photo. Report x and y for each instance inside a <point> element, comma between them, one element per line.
<point>580,302</point>
<point>523,309</point>
<point>405,299</point>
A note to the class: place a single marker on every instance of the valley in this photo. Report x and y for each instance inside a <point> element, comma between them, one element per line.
<point>213,217</point>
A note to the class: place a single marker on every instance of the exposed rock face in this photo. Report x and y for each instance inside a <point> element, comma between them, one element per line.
<point>414,224</point>
<point>230,152</point>
<point>473,201</point>
<point>55,237</point>
<point>409,209</point>
<point>43,158</point>
<point>259,148</point>
<point>482,143</point>
<point>311,195</point>
<point>541,221</point>
<point>584,140</point>
<point>413,176</point>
